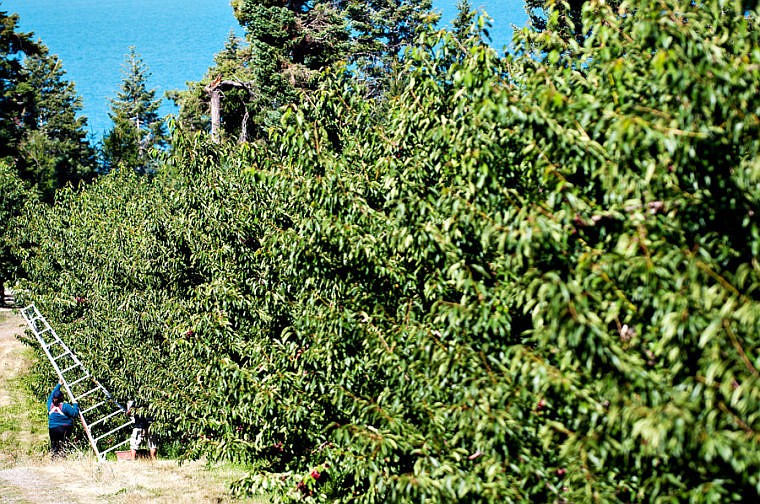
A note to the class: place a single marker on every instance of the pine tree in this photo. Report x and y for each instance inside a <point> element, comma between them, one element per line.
<point>287,45</point>
<point>290,43</point>
<point>380,29</point>
<point>16,95</point>
<point>55,147</point>
<point>137,129</point>
<point>40,133</point>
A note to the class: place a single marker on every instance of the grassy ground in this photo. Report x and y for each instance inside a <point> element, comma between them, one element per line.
<point>23,429</point>
<point>28,476</point>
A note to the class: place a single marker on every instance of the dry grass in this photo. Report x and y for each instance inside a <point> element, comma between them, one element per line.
<point>81,478</point>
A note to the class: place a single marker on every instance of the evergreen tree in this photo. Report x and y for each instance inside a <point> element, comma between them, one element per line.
<point>16,95</point>
<point>287,45</point>
<point>55,147</point>
<point>40,133</point>
<point>137,128</point>
<point>380,29</point>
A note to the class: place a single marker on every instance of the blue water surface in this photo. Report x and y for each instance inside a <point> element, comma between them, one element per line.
<point>177,39</point>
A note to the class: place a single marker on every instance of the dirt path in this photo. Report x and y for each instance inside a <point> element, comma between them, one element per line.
<point>27,476</point>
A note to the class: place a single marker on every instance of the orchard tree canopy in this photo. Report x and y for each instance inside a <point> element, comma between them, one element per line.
<point>529,278</point>
<point>14,197</point>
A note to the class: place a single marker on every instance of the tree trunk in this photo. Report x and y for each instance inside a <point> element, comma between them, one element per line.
<point>244,128</point>
<point>216,113</point>
<point>215,99</point>
<point>214,91</point>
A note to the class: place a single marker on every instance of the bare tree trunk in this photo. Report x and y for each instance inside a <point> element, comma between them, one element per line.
<point>244,128</point>
<point>215,98</point>
<point>216,113</point>
<point>214,91</point>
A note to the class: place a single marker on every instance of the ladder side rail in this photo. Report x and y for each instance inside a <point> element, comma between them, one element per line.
<point>32,323</point>
<point>108,395</point>
<point>93,442</point>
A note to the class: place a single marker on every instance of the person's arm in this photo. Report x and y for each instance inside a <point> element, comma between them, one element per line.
<point>71,410</point>
<point>50,397</point>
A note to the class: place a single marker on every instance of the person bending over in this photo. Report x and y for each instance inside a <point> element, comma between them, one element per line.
<point>141,432</point>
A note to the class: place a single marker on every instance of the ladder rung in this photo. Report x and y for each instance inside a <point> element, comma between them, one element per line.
<point>111,415</point>
<point>78,380</point>
<point>88,393</point>
<point>114,447</point>
<point>64,354</point>
<point>101,403</point>
<point>112,431</point>
<point>71,367</point>
<point>55,342</point>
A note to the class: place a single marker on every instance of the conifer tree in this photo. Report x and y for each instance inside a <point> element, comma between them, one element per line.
<point>287,45</point>
<point>380,29</point>
<point>55,147</point>
<point>40,133</point>
<point>137,128</point>
<point>15,95</point>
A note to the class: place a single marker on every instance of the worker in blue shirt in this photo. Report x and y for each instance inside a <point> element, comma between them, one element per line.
<point>61,417</point>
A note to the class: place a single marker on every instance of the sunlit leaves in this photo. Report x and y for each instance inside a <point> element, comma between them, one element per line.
<point>514,279</point>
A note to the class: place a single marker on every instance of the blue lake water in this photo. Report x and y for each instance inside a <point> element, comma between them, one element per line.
<point>177,39</point>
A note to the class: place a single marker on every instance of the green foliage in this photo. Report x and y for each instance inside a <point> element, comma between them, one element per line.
<point>55,149</point>
<point>288,45</point>
<point>15,96</point>
<point>521,279</point>
<point>137,128</point>
<point>40,133</point>
<point>13,200</point>
<point>566,14</point>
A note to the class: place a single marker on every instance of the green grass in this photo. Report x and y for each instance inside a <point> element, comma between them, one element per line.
<point>23,423</point>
